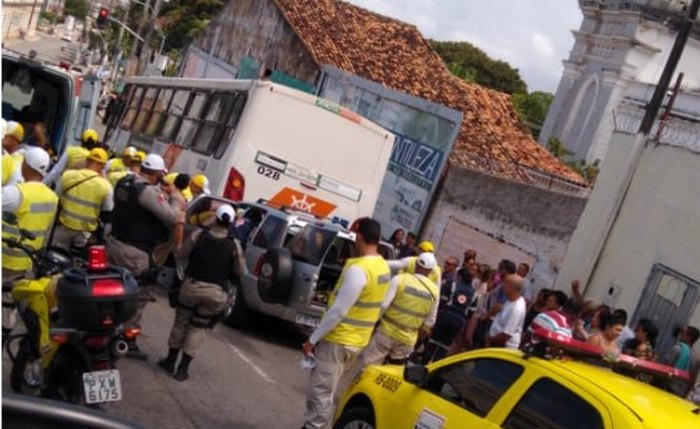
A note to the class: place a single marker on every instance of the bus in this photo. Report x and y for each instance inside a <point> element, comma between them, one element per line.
<point>258,140</point>
<point>38,92</point>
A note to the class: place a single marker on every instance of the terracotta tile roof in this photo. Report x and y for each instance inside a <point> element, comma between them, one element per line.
<point>394,53</point>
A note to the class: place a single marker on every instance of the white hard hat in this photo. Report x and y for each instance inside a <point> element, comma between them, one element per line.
<point>225,213</point>
<point>154,162</point>
<point>427,260</point>
<point>38,160</point>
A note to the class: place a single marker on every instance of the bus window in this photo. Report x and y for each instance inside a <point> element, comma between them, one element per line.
<point>190,123</point>
<point>213,127</point>
<point>133,108</point>
<point>175,112</point>
<point>235,111</point>
<point>145,109</point>
<point>159,109</point>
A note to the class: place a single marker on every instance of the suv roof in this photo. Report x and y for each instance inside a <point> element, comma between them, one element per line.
<point>297,217</point>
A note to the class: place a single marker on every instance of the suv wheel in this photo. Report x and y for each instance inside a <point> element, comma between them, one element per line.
<point>240,312</point>
<point>356,418</point>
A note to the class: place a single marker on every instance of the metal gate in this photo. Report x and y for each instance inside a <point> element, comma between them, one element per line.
<point>669,300</point>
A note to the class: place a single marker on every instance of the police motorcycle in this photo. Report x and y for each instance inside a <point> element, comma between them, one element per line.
<point>73,311</point>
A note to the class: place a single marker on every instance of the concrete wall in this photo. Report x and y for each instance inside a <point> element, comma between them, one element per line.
<point>619,240</point>
<point>256,28</point>
<point>659,223</point>
<point>535,222</point>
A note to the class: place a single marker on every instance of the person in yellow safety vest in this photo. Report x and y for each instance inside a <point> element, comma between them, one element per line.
<point>74,157</point>
<point>199,185</point>
<point>347,326</point>
<point>115,171</point>
<point>408,265</point>
<point>186,191</point>
<point>410,305</point>
<point>12,158</point>
<point>86,201</point>
<point>34,205</point>
<point>136,162</point>
<point>125,160</point>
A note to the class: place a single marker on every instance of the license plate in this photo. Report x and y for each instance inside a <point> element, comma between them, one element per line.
<point>304,320</point>
<point>102,386</point>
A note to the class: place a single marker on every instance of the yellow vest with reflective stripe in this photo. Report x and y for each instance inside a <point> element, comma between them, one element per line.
<point>414,300</point>
<point>114,176</point>
<point>357,326</point>
<point>81,205</point>
<point>434,275</point>
<point>10,164</point>
<point>35,214</point>
<point>77,156</point>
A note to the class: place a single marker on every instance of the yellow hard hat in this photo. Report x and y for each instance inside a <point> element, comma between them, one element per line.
<point>426,246</point>
<point>15,129</point>
<point>129,151</point>
<point>170,178</point>
<point>201,181</point>
<point>90,135</point>
<point>98,155</point>
<point>116,165</point>
<point>139,156</point>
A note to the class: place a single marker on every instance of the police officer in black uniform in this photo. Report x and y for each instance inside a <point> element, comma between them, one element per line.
<point>450,320</point>
<point>213,263</point>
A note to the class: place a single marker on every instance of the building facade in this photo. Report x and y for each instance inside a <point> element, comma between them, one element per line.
<point>619,53</point>
<point>19,18</point>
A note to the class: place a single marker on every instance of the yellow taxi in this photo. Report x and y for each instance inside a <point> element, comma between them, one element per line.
<point>499,388</point>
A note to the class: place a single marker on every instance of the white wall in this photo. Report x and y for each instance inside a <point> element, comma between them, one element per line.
<point>658,223</point>
<point>649,70</point>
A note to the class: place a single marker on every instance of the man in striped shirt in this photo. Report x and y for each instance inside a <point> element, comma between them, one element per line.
<point>561,321</point>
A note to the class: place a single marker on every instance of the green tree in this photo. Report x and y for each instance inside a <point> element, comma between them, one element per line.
<point>183,20</point>
<point>77,8</point>
<point>557,148</point>
<point>471,63</point>
<point>533,108</point>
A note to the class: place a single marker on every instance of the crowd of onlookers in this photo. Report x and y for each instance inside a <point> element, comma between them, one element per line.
<point>481,306</point>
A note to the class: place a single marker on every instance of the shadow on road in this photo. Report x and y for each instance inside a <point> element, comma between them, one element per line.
<point>271,330</point>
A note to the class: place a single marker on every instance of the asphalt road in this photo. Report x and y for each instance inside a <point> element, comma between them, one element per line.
<point>243,379</point>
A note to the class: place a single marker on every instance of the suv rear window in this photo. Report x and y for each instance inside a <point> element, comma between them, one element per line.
<point>310,244</point>
<point>269,232</point>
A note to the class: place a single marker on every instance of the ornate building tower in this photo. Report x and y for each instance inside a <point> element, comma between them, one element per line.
<point>617,58</point>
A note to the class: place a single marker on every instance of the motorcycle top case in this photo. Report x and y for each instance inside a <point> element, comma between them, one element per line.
<point>96,300</point>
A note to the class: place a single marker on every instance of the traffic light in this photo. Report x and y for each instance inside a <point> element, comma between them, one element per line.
<point>102,16</point>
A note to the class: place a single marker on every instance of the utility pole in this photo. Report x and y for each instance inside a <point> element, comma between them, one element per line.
<point>31,16</point>
<point>673,59</point>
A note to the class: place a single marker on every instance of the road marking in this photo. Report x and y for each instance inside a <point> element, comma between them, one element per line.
<point>256,368</point>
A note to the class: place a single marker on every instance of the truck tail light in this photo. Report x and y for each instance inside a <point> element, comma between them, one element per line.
<point>235,185</point>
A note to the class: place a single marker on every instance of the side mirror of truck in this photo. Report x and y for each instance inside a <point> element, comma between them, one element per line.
<point>276,276</point>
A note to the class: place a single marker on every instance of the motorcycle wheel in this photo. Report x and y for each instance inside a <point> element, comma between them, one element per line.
<point>26,374</point>
<point>66,376</point>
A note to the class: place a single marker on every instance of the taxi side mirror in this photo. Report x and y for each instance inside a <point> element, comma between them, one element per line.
<point>415,374</point>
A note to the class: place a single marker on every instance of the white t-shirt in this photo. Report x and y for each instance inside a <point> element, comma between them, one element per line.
<point>510,321</point>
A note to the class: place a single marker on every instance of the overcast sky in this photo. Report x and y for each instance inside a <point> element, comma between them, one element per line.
<point>534,36</point>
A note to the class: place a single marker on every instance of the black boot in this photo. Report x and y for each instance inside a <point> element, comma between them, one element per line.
<point>168,363</point>
<point>135,352</point>
<point>181,374</point>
